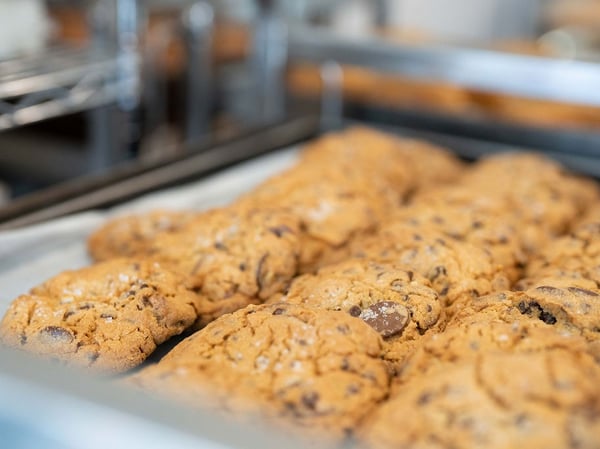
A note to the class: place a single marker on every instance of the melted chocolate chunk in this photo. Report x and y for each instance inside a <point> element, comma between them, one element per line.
<point>55,334</point>
<point>278,311</point>
<point>533,308</point>
<point>280,230</point>
<point>259,274</point>
<point>582,291</point>
<point>386,317</point>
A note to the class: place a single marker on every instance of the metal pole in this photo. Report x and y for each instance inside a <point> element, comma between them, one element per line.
<point>269,59</point>
<point>332,96</point>
<point>198,21</point>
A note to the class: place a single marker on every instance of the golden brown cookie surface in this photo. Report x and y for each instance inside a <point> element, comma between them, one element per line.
<point>131,236</point>
<point>507,322</point>
<point>456,269</point>
<point>108,317</point>
<point>500,400</point>
<point>320,370</point>
<point>398,303</point>
<point>233,257</point>
<point>332,206</point>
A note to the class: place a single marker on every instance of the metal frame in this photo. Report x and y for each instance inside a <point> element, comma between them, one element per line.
<point>576,82</point>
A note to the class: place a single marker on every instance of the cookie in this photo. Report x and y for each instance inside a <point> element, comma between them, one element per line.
<point>499,400</point>
<point>497,233</point>
<point>539,191</point>
<point>457,270</point>
<point>575,256</point>
<point>130,236</point>
<point>377,154</point>
<point>497,323</point>
<point>332,205</point>
<point>108,317</point>
<point>232,257</point>
<point>315,370</point>
<point>398,303</point>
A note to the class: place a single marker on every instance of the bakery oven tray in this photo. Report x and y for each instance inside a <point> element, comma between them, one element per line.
<point>47,406</point>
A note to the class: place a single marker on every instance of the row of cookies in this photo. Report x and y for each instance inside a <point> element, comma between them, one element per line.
<point>512,368</point>
<point>401,290</point>
<point>326,352</point>
<point>221,260</point>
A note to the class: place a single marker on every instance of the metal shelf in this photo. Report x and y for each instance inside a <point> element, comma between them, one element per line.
<point>568,81</point>
<point>61,82</point>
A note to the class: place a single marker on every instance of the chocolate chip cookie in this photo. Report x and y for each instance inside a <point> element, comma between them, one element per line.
<point>539,191</point>
<point>497,232</point>
<point>499,400</point>
<point>131,235</point>
<point>376,153</point>
<point>232,257</point>
<point>506,322</point>
<point>456,270</point>
<point>398,303</point>
<point>574,256</point>
<point>108,317</point>
<point>333,206</point>
<point>317,370</point>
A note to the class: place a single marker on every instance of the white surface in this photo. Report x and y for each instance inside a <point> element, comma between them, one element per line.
<point>28,256</point>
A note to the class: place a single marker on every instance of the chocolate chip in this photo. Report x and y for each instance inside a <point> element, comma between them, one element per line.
<point>354,311</point>
<point>411,275</point>
<point>280,230</point>
<point>259,274</point>
<point>278,311</point>
<point>424,398</point>
<point>144,285</point>
<point>444,291</point>
<point>522,306</point>
<point>55,334</point>
<point>477,224</point>
<point>220,246</point>
<point>534,308</point>
<point>345,365</point>
<point>85,306</point>
<point>386,317</point>
<point>582,291</point>
<point>417,237</point>
<point>550,290</point>
<point>310,400</point>
<point>438,271</point>
<point>352,389</point>
<point>242,267</point>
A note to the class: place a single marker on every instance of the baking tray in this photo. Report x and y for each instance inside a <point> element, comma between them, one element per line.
<point>64,408</point>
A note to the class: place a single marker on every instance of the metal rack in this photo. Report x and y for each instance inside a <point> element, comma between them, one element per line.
<point>567,81</point>
<point>64,81</point>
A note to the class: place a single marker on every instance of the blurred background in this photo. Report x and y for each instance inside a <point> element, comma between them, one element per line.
<point>87,85</point>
